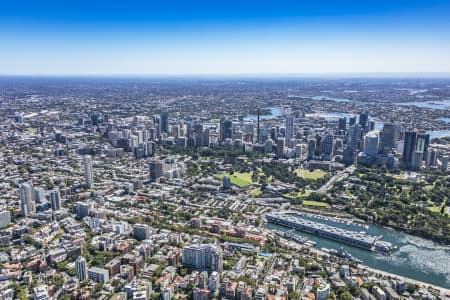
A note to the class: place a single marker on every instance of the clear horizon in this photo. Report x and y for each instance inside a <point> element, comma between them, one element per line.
<point>205,38</point>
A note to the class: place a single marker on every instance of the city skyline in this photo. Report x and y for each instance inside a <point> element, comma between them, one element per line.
<point>203,38</point>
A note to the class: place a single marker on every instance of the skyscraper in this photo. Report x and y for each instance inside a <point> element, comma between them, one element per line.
<point>81,268</point>
<point>258,132</point>
<point>226,129</point>
<point>226,183</point>
<point>350,151</point>
<point>364,121</point>
<point>290,120</point>
<point>141,231</point>
<point>88,172</point>
<point>388,137</point>
<point>431,158</point>
<point>206,137</point>
<point>326,147</point>
<point>198,135</point>
<point>280,147</point>
<point>371,143</point>
<point>409,147</point>
<point>354,134</point>
<point>5,218</point>
<point>155,169</point>
<point>203,257</point>
<point>38,194</point>
<point>164,122</point>
<point>55,199</point>
<point>82,210</point>
<point>416,160</point>
<point>423,140</point>
<point>27,204</point>
<point>444,163</point>
<point>342,123</point>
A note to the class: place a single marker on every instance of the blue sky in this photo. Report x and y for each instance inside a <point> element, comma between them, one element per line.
<point>223,37</point>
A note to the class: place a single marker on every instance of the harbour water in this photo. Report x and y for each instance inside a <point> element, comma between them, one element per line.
<point>415,257</point>
<point>326,98</point>
<point>438,134</point>
<point>438,104</point>
<point>334,116</point>
<point>275,112</point>
<point>445,119</point>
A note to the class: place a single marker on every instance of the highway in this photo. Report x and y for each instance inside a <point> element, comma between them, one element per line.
<point>341,175</point>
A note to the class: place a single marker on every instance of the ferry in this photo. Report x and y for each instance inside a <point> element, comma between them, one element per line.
<point>356,239</point>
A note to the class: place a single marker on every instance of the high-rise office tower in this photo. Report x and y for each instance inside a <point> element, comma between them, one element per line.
<point>416,160</point>
<point>27,204</point>
<point>273,133</point>
<point>364,121</point>
<point>198,135</point>
<point>388,138</point>
<point>226,183</point>
<point>141,231</point>
<point>371,143</point>
<point>318,139</point>
<point>423,140</point>
<point>280,147</point>
<point>258,132</point>
<point>311,148</point>
<point>206,137</point>
<point>82,210</point>
<point>155,169</point>
<point>88,172</point>
<point>372,125</point>
<point>157,124</point>
<point>353,137</point>
<point>354,134</point>
<point>38,194</point>
<point>164,122</point>
<point>5,218</point>
<point>55,199</point>
<point>444,163</point>
<point>326,146</point>
<point>81,268</point>
<point>226,129</point>
<point>352,121</point>
<point>409,147</point>
<point>95,119</point>
<point>431,158</point>
<point>342,124</point>
<point>176,131</point>
<point>290,120</point>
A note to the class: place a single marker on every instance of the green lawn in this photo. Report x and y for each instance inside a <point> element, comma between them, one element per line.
<point>435,209</point>
<point>398,176</point>
<point>315,203</point>
<point>255,192</point>
<point>239,179</point>
<point>296,195</point>
<point>306,174</point>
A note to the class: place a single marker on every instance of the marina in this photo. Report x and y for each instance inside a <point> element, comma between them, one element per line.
<point>293,236</point>
<point>353,238</point>
<point>414,257</point>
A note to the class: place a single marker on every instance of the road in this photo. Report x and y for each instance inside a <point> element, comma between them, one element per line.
<point>341,175</point>
<point>443,292</point>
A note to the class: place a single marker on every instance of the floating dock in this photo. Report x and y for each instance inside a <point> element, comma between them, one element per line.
<point>356,239</point>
